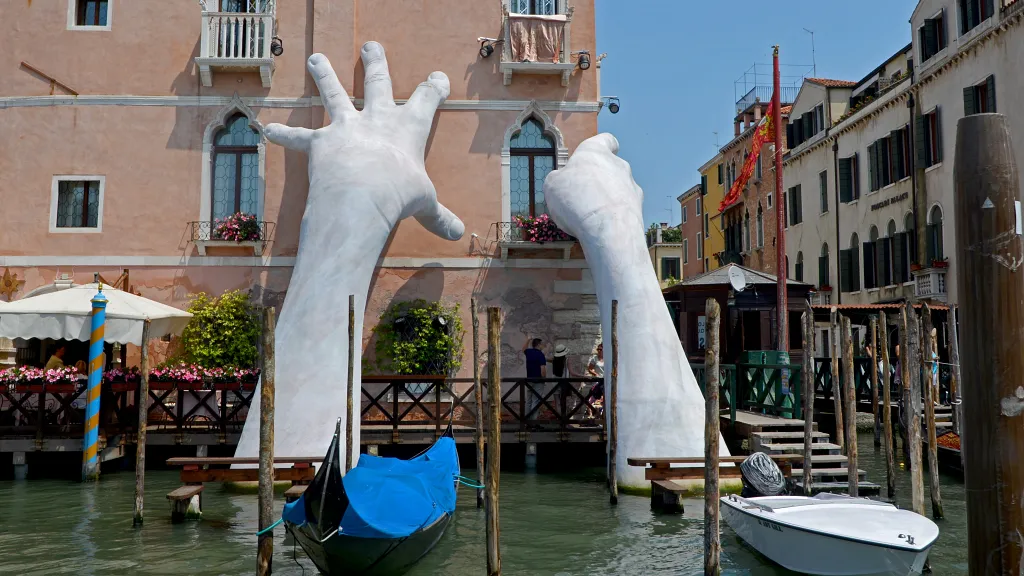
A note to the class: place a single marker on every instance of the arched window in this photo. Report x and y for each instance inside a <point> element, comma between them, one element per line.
<point>897,254</point>
<point>934,235</point>
<point>236,174</point>
<point>787,267</point>
<point>799,266</point>
<point>760,226</point>
<point>532,155</point>
<point>824,278</point>
<point>746,230</point>
<point>540,7</point>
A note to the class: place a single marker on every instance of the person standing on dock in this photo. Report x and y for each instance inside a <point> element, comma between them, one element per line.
<point>536,368</point>
<point>595,369</point>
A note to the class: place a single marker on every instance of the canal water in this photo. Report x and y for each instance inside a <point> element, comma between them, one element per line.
<point>550,525</point>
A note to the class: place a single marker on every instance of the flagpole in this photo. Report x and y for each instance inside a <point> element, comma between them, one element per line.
<point>782,311</point>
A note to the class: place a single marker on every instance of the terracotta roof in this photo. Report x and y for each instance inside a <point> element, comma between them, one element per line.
<point>787,109</point>
<point>829,83</point>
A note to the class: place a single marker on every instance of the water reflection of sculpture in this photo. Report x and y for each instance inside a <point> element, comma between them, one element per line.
<point>372,163</point>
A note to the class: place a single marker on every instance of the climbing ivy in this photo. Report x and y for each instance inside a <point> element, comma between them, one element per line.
<point>419,338</point>
<point>223,331</point>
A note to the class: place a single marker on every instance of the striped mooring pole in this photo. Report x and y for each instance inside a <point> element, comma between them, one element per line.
<point>90,457</point>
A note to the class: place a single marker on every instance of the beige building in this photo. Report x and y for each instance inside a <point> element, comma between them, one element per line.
<point>135,125</point>
<point>665,246</point>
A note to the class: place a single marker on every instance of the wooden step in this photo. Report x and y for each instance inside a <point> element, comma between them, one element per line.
<point>823,461</point>
<point>774,449</point>
<point>863,488</point>
<point>816,436</point>
<point>835,473</point>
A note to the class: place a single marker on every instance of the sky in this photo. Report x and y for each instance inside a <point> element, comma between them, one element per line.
<point>674,64</point>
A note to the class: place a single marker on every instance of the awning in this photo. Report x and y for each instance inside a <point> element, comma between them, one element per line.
<point>67,314</point>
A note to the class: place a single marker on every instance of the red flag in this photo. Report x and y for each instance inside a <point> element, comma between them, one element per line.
<point>765,133</point>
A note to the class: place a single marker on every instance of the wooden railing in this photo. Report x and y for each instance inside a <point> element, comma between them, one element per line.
<point>235,35</point>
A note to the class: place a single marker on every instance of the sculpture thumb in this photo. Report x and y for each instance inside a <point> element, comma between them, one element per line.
<point>603,142</point>
<point>441,221</point>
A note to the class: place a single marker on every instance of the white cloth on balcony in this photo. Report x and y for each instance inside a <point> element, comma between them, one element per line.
<point>536,38</point>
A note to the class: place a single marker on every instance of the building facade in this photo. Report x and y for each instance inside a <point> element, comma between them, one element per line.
<point>712,180</point>
<point>692,231</point>
<point>665,247</point>
<point>126,161</point>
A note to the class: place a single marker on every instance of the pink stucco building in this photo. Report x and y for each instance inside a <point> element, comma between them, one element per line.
<point>129,126</point>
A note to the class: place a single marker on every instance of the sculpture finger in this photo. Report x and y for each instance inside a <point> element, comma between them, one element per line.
<point>423,103</point>
<point>377,82</point>
<point>289,136</point>
<point>604,142</point>
<point>441,221</point>
<point>333,94</point>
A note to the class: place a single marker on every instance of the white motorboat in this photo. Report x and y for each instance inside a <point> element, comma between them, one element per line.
<point>832,535</point>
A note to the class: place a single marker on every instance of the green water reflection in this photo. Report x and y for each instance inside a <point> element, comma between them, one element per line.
<point>551,525</point>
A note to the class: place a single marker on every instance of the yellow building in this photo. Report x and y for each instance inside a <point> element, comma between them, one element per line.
<point>712,184</point>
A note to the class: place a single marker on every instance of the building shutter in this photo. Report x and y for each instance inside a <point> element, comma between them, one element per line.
<point>845,182</point>
<point>881,262</point>
<point>798,205</point>
<point>873,166</point>
<point>799,271</point>
<point>790,144</point>
<point>869,265</point>
<point>991,104</point>
<point>972,15</point>
<point>895,158</point>
<point>989,10</point>
<point>921,144</point>
<point>703,185</point>
<point>938,136</point>
<point>930,253</point>
<point>844,268</point>
<point>929,46</point>
<point>899,263</point>
<point>854,269</point>
<point>719,174</point>
<point>940,31</point>
<point>969,101</point>
<point>855,175</point>
<point>808,120</point>
<point>822,271</point>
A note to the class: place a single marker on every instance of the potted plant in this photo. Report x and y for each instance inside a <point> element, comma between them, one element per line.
<point>540,229</point>
<point>123,380</point>
<point>239,227</point>
<point>180,376</point>
<point>825,288</point>
<point>247,377</point>
<point>58,380</point>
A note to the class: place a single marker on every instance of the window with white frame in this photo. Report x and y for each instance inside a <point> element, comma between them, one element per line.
<point>532,159</point>
<point>684,214</point>
<point>89,15</point>
<point>770,201</point>
<point>973,13</point>
<point>76,204</point>
<point>932,35</point>
<point>686,250</point>
<point>236,176</point>
<point>538,7</point>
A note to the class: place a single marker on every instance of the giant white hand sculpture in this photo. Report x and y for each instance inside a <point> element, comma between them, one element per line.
<point>660,406</point>
<point>366,173</point>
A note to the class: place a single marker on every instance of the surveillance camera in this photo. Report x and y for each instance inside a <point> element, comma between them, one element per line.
<point>613,104</point>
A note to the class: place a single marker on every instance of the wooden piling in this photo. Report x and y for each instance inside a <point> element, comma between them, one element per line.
<point>930,398</point>
<point>873,328</point>
<point>493,439</point>
<point>478,395</point>
<point>712,535</point>
<point>887,445</point>
<point>912,363</point>
<point>954,381</point>
<point>808,392</point>
<point>837,389</point>
<point>265,541</point>
<point>350,391</point>
<point>989,252</point>
<point>613,407</point>
<point>850,391</point>
<point>142,402</point>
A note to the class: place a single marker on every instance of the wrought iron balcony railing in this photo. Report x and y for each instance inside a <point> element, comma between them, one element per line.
<point>207,232</point>
<point>512,232</point>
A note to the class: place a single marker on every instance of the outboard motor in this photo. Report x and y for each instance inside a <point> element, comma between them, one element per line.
<point>761,477</point>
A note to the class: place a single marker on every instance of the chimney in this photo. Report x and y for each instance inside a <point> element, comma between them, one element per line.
<point>657,233</point>
<point>737,130</point>
<point>757,112</point>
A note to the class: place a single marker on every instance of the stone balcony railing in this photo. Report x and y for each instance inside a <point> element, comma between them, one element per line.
<point>562,64</point>
<point>234,42</point>
<point>930,283</point>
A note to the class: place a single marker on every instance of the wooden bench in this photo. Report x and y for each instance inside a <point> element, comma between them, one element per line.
<point>667,496</point>
<point>185,501</point>
<point>292,494</point>
<point>182,506</point>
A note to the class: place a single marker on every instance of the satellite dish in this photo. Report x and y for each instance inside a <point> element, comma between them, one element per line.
<point>737,279</point>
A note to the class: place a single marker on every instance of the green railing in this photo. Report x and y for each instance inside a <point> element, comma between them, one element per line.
<point>763,388</point>
<point>726,387</point>
<point>861,377</point>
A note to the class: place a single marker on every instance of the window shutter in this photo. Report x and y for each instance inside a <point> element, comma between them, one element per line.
<point>972,15</point>
<point>881,270</point>
<point>969,101</point>
<point>869,265</point>
<point>854,269</point>
<point>873,166</point>
<point>989,10</point>
<point>991,83</point>
<point>790,144</point>
<point>895,158</point>
<point>855,175</point>
<point>719,173</point>
<point>808,125</point>
<point>938,136</point>
<point>703,185</point>
<point>929,46</point>
<point>845,182</point>
<point>799,271</point>
<point>921,140</point>
<point>930,252</point>
<point>798,209</point>
<point>822,271</point>
<point>941,30</point>
<point>844,268</point>
<point>899,265</point>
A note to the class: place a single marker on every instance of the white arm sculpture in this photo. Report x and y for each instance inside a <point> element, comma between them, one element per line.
<point>366,173</point>
<point>660,406</point>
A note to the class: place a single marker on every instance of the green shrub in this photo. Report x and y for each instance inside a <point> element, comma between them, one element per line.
<point>419,338</point>
<point>223,331</point>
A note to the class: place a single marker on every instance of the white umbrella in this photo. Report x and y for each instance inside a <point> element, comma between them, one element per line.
<point>66,314</point>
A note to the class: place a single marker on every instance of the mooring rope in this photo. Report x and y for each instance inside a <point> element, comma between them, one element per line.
<point>271,527</point>
<point>468,482</point>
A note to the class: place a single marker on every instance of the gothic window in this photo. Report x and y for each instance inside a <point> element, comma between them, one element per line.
<point>532,158</point>
<point>235,169</point>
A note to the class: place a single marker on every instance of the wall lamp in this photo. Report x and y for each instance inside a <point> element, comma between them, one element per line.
<point>487,45</point>
<point>613,103</point>
<point>276,46</point>
<point>583,59</point>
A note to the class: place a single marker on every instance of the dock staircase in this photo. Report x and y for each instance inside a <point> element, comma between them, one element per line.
<point>774,435</point>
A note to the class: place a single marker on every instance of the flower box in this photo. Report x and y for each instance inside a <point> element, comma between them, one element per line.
<point>124,386</point>
<point>227,385</point>
<point>825,289</point>
<point>35,388</point>
<point>940,263</point>
<point>916,267</point>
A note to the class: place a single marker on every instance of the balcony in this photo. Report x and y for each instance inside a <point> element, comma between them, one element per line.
<point>236,42</point>
<point>207,235</point>
<point>512,236</point>
<point>930,283</point>
<point>536,45</point>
